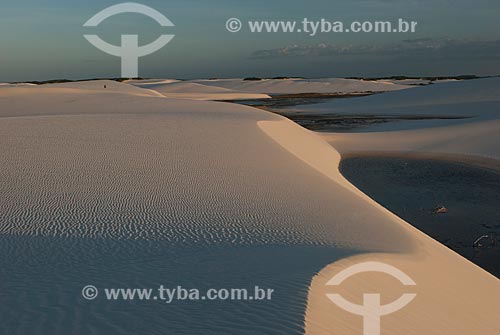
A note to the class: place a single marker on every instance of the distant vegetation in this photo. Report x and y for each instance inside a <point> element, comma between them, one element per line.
<point>252,79</point>
<point>276,78</point>
<point>461,77</point>
<point>59,81</point>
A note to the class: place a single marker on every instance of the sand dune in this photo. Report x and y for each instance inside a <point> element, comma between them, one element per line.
<point>416,81</point>
<point>123,190</point>
<point>406,81</point>
<point>97,142</point>
<point>97,86</point>
<point>474,142</point>
<point>150,81</point>
<point>296,86</point>
<point>446,104</point>
<point>472,138</point>
<point>478,98</point>
<point>194,91</point>
<point>447,284</point>
<point>3,85</point>
<point>64,90</point>
<point>122,187</point>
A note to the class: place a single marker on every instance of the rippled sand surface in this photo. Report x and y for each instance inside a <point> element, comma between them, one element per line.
<point>106,184</point>
<point>125,189</point>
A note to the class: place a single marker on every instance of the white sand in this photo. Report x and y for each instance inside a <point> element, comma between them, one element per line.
<point>424,99</point>
<point>456,103</point>
<point>406,81</point>
<point>194,91</point>
<point>97,86</point>
<point>201,156</point>
<point>16,85</point>
<point>150,81</point>
<point>476,136</point>
<point>416,81</point>
<point>297,86</point>
<point>125,164</point>
<point>453,296</point>
<point>456,142</point>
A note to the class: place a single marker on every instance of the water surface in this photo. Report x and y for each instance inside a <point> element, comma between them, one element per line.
<point>413,189</point>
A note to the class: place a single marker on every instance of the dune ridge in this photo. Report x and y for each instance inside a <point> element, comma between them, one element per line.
<point>446,282</point>
<point>83,150</point>
<point>196,91</point>
<point>179,180</point>
<point>298,85</point>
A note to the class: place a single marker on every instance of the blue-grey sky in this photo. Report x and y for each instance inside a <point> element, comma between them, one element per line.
<point>42,39</point>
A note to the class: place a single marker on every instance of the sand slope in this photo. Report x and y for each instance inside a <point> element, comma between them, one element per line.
<point>297,86</point>
<point>444,284</point>
<point>85,147</point>
<point>450,298</point>
<point>194,91</point>
<point>189,181</point>
<point>475,137</point>
<point>150,81</point>
<point>474,100</point>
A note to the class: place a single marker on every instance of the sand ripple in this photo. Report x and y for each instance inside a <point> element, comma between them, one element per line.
<point>128,191</point>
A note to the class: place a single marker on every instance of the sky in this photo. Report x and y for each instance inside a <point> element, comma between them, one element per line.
<point>43,39</point>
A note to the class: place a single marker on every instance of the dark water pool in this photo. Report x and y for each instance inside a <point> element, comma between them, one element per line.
<point>413,189</point>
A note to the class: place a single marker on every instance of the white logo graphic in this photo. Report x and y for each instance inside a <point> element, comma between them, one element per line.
<point>233,25</point>
<point>90,292</point>
<point>129,51</point>
<point>371,310</point>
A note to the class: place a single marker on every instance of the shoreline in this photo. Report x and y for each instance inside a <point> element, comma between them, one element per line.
<point>413,188</point>
<point>424,259</point>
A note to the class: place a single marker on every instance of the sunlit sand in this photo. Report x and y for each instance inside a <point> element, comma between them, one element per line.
<point>146,177</point>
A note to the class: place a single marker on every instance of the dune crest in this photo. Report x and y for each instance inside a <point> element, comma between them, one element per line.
<point>447,284</point>
<point>86,167</point>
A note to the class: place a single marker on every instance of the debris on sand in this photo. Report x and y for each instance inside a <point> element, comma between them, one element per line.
<point>476,243</point>
<point>440,210</point>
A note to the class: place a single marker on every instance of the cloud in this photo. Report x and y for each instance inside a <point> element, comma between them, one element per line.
<point>442,48</point>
